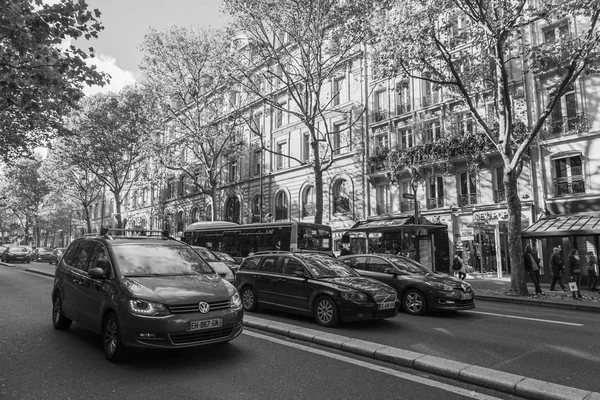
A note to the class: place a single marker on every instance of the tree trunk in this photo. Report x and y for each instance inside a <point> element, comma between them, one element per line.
<point>87,220</point>
<point>318,179</point>
<point>518,283</point>
<point>213,197</point>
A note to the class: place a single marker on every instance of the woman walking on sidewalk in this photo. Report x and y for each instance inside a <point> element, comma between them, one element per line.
<point>575,271</point>
<point>532,266</point>
<point>556,264</point>
<point>592,265</point>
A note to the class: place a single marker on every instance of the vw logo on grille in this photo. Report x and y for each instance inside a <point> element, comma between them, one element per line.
<point>204,307</point>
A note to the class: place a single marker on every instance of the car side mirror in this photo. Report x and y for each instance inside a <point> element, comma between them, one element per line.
<point>97,273</point>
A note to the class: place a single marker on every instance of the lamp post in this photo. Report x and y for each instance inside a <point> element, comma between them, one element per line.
<point>414,184</point>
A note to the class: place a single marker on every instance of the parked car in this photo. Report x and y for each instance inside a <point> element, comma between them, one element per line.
<point>41,254</point>
<point>147,291</point>
<point>57,253</point>
<point>17,253</point>
<point>419,288</point>
<point>230,261</point>
<point>314,285</point>
<point>216,263</point>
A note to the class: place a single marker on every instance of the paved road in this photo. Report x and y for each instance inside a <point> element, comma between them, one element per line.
<point>39,362</point>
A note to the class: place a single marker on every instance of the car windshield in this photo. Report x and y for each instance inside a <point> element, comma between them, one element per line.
<point>408,265</point>
<point>205,253</point>
<point>159,260</point>
<point>18,250</point>
<point>327,267</point>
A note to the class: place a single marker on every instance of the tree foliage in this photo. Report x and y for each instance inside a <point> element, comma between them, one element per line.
<point>41,76</point>
<point>295,49</point>
<point>187,72</point>
<point>471,49</point>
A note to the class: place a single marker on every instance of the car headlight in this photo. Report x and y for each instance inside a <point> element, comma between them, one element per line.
<point>354,296</point>
<point>235,301</point>
<point>441,286</point>
<point>147,308</point>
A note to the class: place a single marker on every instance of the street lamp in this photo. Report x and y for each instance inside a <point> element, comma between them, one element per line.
<point>414,184</point>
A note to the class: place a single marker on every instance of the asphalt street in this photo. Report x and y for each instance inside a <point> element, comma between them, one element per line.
<point>443,363</point>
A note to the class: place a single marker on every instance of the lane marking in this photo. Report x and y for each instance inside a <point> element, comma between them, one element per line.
<point>526,318</point>
<point>402,375</point>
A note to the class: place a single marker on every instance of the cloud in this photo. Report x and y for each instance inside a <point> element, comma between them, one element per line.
<point>119,78</point>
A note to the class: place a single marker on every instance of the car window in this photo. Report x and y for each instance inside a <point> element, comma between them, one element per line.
<point>205,253</point>
<point>357,262</point>
<point>328,267</point>
<point>291,265</point>
<point>250,264</point>
<point>68,257</point>
<point>82,255</point>
<point>269,264</point>
<point>407,265</point>
<point>100,253</point>
<point>379,265</point>
<point>145,259</point>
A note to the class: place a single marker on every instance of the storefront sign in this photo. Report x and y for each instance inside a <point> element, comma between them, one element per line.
<point>492,215</point>
<point>466,234</point>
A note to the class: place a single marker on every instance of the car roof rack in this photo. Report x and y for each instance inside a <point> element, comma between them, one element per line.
<point>121,233</point>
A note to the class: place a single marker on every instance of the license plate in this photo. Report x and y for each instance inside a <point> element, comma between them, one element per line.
<point>387,305</point>
<point>206,324</point>
<point>466,296</point>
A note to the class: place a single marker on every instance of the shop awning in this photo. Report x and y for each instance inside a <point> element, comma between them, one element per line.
<point>564,226</point>
<point>390,224</point>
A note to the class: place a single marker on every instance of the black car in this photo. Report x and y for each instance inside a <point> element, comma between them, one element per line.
<point>148,291</point>
<point>41,254</point>
<point>419,288</point>
<point>314,285</point>
<point>17,253</point>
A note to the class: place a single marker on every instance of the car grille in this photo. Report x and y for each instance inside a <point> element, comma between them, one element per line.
<point>200,336</point>
<point>380,298</point>
<point>193,308</point>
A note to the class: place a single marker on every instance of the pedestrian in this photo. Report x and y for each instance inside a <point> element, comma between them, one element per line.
<point>532,266</point>
<point>575,272</point>
<point>458,267</point>
<point>593,272</point>
<point>345,250</point>
<point>556,264</point>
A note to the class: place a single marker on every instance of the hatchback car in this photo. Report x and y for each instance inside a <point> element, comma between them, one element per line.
<point>17,253</point>
<point>143,292</point>
<point>419,288</point>
<point>314,285</point>
<point>41,254</point>
<point>57,253</point>
<point>216,263</point>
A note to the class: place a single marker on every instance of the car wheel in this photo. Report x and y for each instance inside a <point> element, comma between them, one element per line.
<point>111,337</point>
<point>59,320</point>
<point>414,302</point>
<point>325,312</point>
<point>249,299</point>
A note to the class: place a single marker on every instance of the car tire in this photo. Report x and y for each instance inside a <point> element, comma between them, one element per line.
<point>414,302</point>
<point>112,342</point>
<point>59,320</point>
<point>249,301</point>
<point>325,312</point>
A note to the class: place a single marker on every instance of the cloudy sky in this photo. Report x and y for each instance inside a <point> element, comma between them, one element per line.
<point>127,21</point>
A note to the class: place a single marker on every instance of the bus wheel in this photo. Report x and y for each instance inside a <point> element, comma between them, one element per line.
<point>249,299</point>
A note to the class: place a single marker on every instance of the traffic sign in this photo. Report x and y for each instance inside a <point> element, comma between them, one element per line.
<point>408,195</point>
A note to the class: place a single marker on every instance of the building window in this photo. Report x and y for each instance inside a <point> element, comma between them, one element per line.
<point>256,209</point>
<point>281,155</point>
<point>232,210</point>
<point>340,138</point>
<point>436,192</point>
<point>257,162</point>
<point>468,189</point>
<point>308,202</point>
<point>180,223</point>
<point>407,205</point>
<point>380,107</point>
<point>194,215</point>
<point>407,138</point>
<point>556,33</point>
<point>382,139</point>
<point>258,127</point>
<point>341,198</point>
<point>233,171</point>
<point>306,147</point>
<point>403,98</point>
<point>382,194</point>
<point>432,130</point>
<point>281,207</point>
<point>463,123</point>
<point>499,193</point>
<point>565,118</point>
<point>96,211</point>
<point>339,93</point>
<point>208,216</point>
<point>431,96</point>
<point>279,115</point>
<point>568,176</point>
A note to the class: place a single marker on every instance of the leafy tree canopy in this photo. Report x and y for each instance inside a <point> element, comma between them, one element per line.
<point>41,77</point>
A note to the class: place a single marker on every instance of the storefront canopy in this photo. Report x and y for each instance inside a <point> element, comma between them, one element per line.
<point>390,224</point>
<point>564,226</point>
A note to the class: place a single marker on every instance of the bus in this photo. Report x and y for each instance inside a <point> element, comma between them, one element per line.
<point>241,240</point>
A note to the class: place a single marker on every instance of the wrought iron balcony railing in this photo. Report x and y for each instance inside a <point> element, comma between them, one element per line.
<point>467,199</point>
<point>568,188</point>
<point>402,108</point>
<point>380,115</point>
<point>435,202</point>
<point>565,126</point>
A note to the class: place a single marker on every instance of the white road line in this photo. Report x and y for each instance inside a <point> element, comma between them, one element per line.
<point>402,375</point>
<point>526,318</point>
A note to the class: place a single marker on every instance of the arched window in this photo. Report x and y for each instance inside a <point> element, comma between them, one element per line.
<point>194,215</point>
<point>341,198</point>
<point>281,206</point>
<point>256,209</point>
<point>308,202</point>
<point>209,213</point>
<point>232,210</point>
<point>180,222</point>
<point>134,200</point>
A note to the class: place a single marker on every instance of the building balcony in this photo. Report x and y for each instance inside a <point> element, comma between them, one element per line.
<point>467,199</point>
<point>435,202</point>
<point>565,126</point>
<point>380,115</point>
<point>406,206</point>
<point>431,99</point>
<point>569,188</point>
<point>402,109</point>
<point>383,209</point>
<point>499,196</point>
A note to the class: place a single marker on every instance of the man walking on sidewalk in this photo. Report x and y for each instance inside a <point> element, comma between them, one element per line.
<point>532,266</point>
<point>556,264</point>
